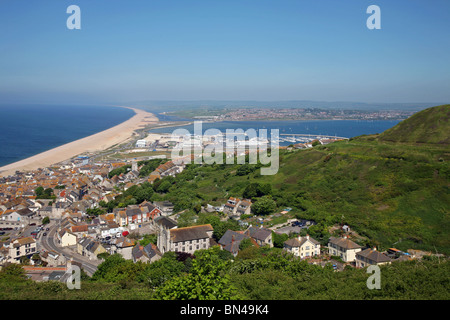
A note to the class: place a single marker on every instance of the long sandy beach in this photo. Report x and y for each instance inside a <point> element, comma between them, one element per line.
<point>96,142</point>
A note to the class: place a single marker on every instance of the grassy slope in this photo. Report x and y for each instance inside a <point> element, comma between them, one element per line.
<point>395,194</point>
<point>429,126</point>
<point>388,193</point>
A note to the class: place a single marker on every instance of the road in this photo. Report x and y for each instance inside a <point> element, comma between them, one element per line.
<point>49,243</point>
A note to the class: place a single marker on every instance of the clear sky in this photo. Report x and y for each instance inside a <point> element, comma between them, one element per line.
<point>129,50</point>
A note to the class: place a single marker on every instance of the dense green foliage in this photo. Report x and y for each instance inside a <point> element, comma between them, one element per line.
<point>257,273</point>
<point>119,171</point>
<point>390,193</point>
<point>149,166</point>
<point>42,193</point>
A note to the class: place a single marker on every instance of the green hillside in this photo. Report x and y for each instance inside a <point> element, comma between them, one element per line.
<point>429,126</point>
<point>392,194</point>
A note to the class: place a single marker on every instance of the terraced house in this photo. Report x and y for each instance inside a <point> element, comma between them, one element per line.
<point>22,247</point>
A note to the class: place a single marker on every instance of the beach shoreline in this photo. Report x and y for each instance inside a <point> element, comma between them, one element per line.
<point>93,143</point>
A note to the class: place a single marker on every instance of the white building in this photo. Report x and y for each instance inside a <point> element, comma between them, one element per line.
<point>188,239</point>
<point>344,248</point>
<point>303,247</point>
<point>141,144</point>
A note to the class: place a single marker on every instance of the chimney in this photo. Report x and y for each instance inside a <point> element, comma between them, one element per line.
<point>307,236</point>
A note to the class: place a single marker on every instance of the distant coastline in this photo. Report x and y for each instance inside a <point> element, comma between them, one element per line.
<point>93,143</point>
<point>342,128</point>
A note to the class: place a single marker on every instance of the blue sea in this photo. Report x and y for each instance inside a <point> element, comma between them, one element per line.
<point>339,128</point>
<point>27,130</point>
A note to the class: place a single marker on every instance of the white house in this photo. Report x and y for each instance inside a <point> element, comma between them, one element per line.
<point>22,247</point>
<point>67,238</point>
<point>345,248</point>
<point>303,247</point>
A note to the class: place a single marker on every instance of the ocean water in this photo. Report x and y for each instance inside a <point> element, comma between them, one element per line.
<point>339,128</point>
<point>26,130</point>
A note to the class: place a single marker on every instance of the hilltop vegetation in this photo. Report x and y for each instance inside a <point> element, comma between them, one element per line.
<point>258,274</point>
<point>392,194</point>
<point>429,126</point>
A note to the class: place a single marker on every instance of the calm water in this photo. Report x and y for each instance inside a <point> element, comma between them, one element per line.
<point>27,130</point>
<point>340,128</point>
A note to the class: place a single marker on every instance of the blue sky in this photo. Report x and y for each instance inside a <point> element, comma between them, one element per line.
<point>129,50</point>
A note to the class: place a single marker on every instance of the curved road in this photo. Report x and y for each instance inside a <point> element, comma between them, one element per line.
<point>49,244</point>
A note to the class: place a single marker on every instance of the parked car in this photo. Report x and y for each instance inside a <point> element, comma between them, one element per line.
<point>45,233</point>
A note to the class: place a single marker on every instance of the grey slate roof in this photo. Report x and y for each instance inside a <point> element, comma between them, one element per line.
<point>231,240</point>
<point>259,233</point>
<point>295,242</point>
<point>373,255</point>
<point>344,243</point>
<point>165,221</point>
<point>190,233</point>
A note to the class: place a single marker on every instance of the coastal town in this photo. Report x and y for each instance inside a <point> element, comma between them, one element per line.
<point>258,114</point>
<point>50,219</point>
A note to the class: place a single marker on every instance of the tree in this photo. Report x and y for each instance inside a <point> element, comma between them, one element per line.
<point>245,243</point>
<point>279,239</point>
<point>46,220</point>
<point>264,205</point>
<point>256,189</point>
<point>13,270</point>
<point>39,191</point>
<point>206,280</point>
<point>157,273</point>
<point>95,211</point>
<point>42,193</point>
<point>164,186</point>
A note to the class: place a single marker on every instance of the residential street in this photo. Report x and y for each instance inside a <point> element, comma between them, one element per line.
<point>49,243</point>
